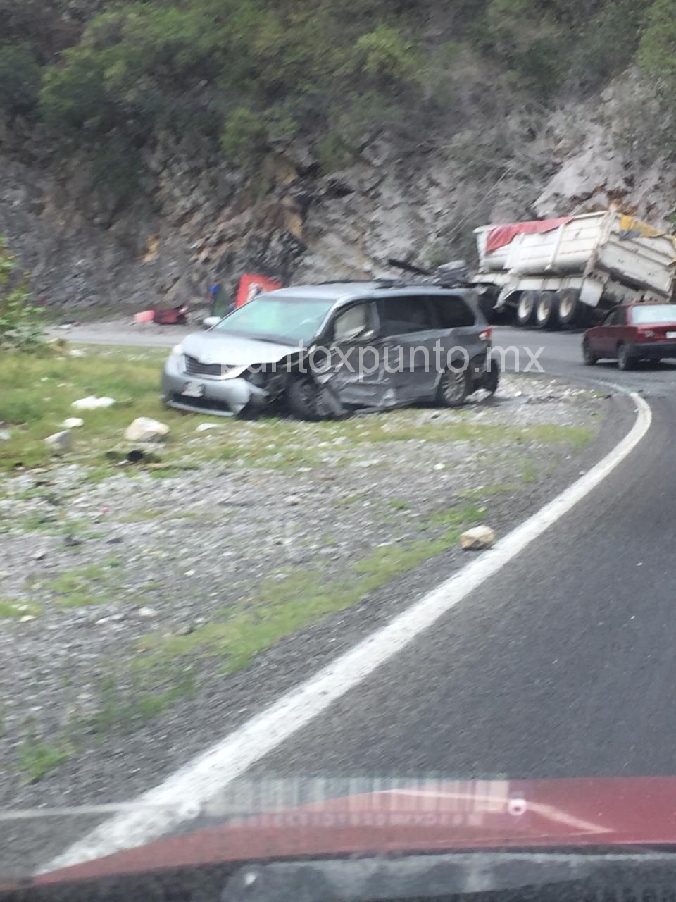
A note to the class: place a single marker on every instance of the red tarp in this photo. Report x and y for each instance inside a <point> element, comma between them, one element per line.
<point>250,285</point>
<point>500,236</point>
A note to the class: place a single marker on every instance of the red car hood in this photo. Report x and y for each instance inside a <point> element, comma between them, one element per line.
<point>439,816</point>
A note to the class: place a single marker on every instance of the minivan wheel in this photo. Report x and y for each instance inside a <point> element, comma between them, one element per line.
<point>454,388</point>
<point>302,395</point>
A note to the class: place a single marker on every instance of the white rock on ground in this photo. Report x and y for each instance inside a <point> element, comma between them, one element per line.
<point>72,423</point>
<point>92,403</point>
<point>145,429</point>
<point>5,435</point>
<point>60,442</point>
<point>478,538</point>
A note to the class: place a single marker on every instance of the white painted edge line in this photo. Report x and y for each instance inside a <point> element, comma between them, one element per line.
<point>182,794</point>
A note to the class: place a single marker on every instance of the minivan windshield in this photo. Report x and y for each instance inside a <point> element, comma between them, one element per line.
<point>653,313</point>
<point>273,317</point>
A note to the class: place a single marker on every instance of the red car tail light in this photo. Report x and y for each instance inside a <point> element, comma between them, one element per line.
<point>486,335</point>
<point>643,333</point>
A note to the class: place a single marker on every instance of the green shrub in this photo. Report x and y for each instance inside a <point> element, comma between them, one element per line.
<point>528,39</point>
<point>385,56</point>
<point>333,152</point>
<point>21,323</point>
<point>245,136</point>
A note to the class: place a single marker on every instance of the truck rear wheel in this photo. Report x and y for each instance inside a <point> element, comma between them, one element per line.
<point>569,307</point>
<point>545,310</point>
<point>525,309</point>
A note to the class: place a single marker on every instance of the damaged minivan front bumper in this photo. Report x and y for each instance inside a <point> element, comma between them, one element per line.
<point>226,395</point>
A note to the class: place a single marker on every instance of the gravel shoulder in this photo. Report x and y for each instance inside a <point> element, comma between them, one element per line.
<point>144,617</point>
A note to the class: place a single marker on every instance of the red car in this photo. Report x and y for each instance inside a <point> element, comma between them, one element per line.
<point>632,332</point>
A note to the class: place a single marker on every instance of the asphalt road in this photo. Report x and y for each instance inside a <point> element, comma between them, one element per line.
<point>562,665</point>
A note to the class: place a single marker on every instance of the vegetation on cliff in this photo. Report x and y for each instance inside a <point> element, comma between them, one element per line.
<point>239,76</point>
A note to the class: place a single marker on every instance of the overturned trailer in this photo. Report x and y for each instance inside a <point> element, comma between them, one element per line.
<point>559,272</point>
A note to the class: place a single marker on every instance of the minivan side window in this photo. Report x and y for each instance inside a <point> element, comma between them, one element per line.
<point>349,323</point>
<point>453,312</point>
<point>402,315</point>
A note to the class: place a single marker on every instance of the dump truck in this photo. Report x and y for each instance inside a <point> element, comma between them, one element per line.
<point>566,272</point>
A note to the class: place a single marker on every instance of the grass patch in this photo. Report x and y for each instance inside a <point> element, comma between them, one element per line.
<point>529,471</point>
<point>83,586</point>
<point>14,610</point>
<point>293,599</point>
<point>36,759</point>
<point>120,711</point>
<point>485,491</point>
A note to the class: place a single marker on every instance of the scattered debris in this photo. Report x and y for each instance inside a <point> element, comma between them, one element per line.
<point>26,618</point>
<point>72,423</point>
<point>478,538</point>
<point>92,403</point>
<point>164,316</point>
<point>40,556</point>
<point>60,442</point>
<point>5,435</point>
<point>147,613</point>
<point>77,352</point>
<point>205,427</point>
<point>145,429</point>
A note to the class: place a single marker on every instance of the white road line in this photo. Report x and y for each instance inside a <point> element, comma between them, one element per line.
<point>181,795</point>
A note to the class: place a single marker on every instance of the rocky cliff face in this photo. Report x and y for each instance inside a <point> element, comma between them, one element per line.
<point>193,220</point>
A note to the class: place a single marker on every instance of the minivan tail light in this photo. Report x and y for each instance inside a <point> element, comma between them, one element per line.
<point>486,335</point>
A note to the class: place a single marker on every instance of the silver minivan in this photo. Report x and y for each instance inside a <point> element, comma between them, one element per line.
<point>325,350</point>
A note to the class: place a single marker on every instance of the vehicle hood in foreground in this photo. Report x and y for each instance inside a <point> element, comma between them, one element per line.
<point>219,347</point>
<point>413,817</point>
